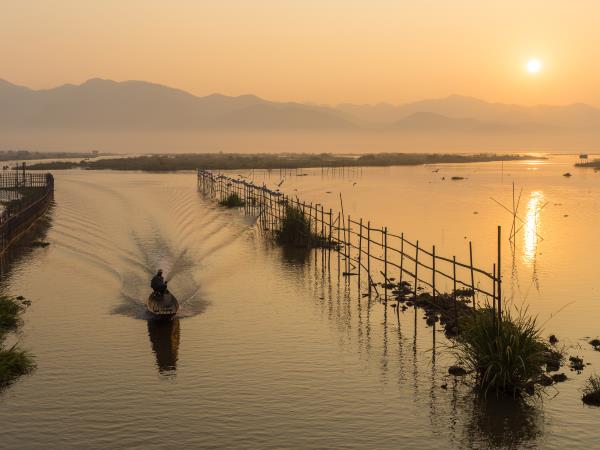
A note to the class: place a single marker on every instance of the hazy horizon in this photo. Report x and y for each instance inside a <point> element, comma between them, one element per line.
<point>354,52</point>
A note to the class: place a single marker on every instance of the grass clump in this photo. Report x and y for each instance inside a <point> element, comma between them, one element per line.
<point>296,230</point>
<point>591,391</point>
<point>14,362</point>
<point>507,357</point>
<point>232,201</point>
<point>10,311</point>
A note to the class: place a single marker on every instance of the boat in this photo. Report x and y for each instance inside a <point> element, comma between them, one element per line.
<point>163,306</point>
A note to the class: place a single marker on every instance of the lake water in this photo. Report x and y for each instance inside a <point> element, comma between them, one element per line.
<point>271,350</point>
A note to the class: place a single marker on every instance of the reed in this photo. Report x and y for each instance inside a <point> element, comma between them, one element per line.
<point>14,362</point>
<point>233,200</point>
<point>296,230</point>
<point>591,391</point>
<point>507,359</point>
<point>10,310</point>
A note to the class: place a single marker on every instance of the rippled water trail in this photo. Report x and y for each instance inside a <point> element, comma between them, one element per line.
<point>269,351</point>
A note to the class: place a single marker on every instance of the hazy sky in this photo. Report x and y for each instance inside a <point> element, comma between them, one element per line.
<point>322,51</point>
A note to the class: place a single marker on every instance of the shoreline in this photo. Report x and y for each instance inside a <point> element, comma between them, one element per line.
<point>237,161</point>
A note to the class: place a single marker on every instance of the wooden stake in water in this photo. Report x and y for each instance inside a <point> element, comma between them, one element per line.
<point>369,255</point>
<point>433,273</point>
<point>385,262</point>
<point>499,270</point>
<point>472,275</point>
<point>454,291</point>
<point>416,271</point>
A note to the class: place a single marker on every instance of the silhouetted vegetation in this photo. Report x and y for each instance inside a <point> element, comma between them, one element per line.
<point>595,164</point>
<point>508,357</point>
<point>232,201</point>
<point>235,161</point>
<point>296,230</point>
<point>25,155</point>
<point>591,391</point>
<point>14,361</point>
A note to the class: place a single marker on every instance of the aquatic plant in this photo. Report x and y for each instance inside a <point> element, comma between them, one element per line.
<point>591,391</point>
<point>10,310</point>
<point>232,201</point>
<point>296,230</point>
<point>507,356</point>
<point>14,362</point>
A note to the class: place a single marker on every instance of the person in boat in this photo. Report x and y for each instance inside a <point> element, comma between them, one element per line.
<point>158,283</point>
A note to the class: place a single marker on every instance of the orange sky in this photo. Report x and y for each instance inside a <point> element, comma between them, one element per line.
<point>326,51</point>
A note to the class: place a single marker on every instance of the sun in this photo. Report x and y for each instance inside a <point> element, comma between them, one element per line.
<point>534,66</point>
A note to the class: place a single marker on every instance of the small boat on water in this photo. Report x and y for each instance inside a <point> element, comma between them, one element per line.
<point>163,306</point>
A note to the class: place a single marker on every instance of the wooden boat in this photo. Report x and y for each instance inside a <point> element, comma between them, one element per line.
<point>162,306</point>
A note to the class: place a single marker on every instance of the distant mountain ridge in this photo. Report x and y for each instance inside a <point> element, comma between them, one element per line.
<point>101,105</point>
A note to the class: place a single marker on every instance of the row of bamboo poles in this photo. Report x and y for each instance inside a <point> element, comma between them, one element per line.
<point>25,197</point>
<point>387,259</point>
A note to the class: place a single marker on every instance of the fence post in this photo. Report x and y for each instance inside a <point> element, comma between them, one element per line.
<point>494,294</point>
<point>349,246</point>
<point>401,257</point>
<point>472,275</point>
<point>433,273</point>
<point>360,228</point>
<point>454,291</point>
<point>416,272</point>
<point>385,263</point>
<point>499,270</point>
<point>369,255</point>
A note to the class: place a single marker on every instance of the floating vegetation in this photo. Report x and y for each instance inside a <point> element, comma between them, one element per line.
<point>232,201</point>
<point>596,344</point>
<point>591,391</point>
<point>576,364</point>
<point>506,355</point>
<point>14,361</point>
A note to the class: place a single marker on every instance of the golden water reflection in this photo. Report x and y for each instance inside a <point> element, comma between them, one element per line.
<point>531,228</point>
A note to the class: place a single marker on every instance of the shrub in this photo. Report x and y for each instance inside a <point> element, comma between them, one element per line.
<point>591,391</point>
<point>506,358</point>
<point>232,201</point>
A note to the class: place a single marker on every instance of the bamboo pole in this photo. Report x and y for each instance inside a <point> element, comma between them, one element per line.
<point>360,228</point>
<point>454,291</point>
<point>499,270</point>
<point>369,255</point>
<point>433,273</point>
<point>416,271</point>
<point>385,262</point>
<point>401,257</point>
<point>472,275</point>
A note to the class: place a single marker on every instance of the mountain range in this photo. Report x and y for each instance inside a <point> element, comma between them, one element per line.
<point>105,105</point>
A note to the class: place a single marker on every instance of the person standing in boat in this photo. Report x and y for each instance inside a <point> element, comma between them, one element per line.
<point>158,283</point>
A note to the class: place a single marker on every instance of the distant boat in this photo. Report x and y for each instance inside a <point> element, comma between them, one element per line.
<point>162,307</point>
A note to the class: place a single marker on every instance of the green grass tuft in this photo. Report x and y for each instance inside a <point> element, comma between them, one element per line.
<point>508,358</point>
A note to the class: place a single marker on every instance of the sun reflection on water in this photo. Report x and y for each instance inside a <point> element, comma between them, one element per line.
<point>532,227</point>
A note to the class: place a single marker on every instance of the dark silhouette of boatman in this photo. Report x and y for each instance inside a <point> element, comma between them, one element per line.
<point>158,283</point>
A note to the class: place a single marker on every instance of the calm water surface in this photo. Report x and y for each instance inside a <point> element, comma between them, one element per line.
<point>271,350</point>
